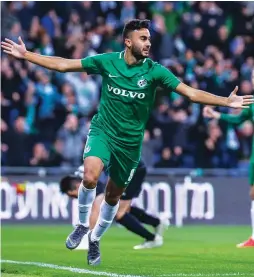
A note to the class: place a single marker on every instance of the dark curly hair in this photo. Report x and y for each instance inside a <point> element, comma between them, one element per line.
<point>68,183</point>
<point>135,24</point>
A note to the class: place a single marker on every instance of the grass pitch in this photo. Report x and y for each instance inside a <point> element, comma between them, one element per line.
<point>188,251</point>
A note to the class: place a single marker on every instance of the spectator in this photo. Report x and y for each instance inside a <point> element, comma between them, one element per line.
<point>213,147</point>
<point>167,159</point>
<point>52,24</point>
<point>45,158</point>
<point>18,143</point>
<point>208,45</point>
<point>246,132</point>
<point>87,91</point>
<point>71,135</point>
<point>127,12</point>
<point>151,146</point>
<point>49,98</point>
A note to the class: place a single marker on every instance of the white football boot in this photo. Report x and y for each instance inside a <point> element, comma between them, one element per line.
<point>157,242</point>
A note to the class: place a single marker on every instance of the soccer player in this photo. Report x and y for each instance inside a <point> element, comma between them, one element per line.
<point>128,216</point>
<point>130,79</point>
<point>247,114</point>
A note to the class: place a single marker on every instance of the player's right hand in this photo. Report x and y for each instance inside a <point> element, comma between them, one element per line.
<point>14,49</point>
<point>208,112</point>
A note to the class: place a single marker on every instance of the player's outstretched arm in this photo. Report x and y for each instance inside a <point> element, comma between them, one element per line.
<point>208,112</point>
<point>53,63</point>
<point>203,97</point>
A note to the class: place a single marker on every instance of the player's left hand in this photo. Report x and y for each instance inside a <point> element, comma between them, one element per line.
<point>235,101</point>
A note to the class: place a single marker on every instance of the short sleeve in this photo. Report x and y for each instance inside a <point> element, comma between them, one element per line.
<point>93,64</point>
<point>165,78</point>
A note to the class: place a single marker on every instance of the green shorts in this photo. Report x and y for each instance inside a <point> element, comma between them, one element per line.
<point>251,173</point>
<point>120,161</point>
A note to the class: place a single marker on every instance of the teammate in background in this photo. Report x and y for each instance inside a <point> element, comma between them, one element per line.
<point>130,79</point>
<point>128,216</point>
<point>247,114</point>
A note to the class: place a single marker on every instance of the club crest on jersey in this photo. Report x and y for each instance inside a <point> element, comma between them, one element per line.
<point>142,82</point>
<point>87,149</point>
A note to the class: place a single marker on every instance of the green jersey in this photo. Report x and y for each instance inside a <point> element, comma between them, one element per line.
<point>128,93</point>
<point>246,114</point>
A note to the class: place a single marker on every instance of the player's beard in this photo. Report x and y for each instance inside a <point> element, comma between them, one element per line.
<point>137,53</point>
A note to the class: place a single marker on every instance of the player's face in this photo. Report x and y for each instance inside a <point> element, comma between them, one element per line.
<point>72,193</point>
<point>139,43</point>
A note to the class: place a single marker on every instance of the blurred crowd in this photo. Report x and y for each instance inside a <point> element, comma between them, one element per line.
<point>46,115</point>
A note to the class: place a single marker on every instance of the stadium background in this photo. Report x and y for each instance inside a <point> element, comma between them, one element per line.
<point>44,114</point>
<point>206,44</point>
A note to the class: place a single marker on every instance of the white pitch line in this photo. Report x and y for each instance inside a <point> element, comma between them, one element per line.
<point>71,269</point>
<point>102,273</point>
<point>205,274</point>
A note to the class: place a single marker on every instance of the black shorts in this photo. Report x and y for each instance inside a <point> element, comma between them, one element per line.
<point>135,186</point>
<point>100,188</point>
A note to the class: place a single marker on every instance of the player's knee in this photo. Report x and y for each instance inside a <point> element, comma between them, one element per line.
<point>113,193</point>
<point>111,198</point>
<point>89,180</point>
